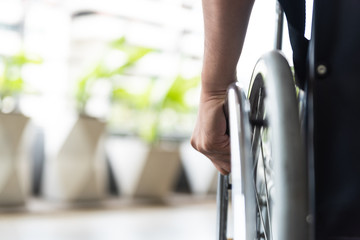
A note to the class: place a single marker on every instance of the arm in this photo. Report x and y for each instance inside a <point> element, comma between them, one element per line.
<point>225,28</point>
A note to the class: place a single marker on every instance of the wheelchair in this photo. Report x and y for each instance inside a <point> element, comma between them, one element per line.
<point>295,169</point>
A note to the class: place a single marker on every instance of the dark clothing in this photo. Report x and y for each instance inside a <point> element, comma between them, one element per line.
<point>331,71</point>
<point>295,14</point>
<point>335,45</point>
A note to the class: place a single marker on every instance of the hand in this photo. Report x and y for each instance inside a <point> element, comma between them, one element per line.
<point>209,136</point>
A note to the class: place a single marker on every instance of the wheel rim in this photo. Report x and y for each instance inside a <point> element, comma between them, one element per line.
<point>252,126</point>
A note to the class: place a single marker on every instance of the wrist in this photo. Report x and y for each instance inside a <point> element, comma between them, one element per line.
<point>216,95</point>
<point>212,85</point>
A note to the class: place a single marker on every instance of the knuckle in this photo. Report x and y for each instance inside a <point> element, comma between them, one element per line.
<point>204,147</point>
<point>208,147</point>
<point>193,143</point>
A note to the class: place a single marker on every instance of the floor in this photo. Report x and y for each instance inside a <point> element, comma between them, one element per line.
<point>180,218</point>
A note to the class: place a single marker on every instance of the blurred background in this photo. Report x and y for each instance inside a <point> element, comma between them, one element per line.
<point>98,100</point>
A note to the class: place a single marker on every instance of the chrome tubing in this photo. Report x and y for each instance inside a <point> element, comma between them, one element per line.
<point>279,28</point>
<point>222,201</point>
<point>243,197</point>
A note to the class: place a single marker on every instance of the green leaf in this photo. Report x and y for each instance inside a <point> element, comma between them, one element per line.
<point>118,43</point>
<point>21,59</point>
<point>134,54</point>
<point>175,97</point>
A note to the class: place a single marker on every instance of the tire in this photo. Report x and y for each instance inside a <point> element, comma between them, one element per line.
<point>269,169</point>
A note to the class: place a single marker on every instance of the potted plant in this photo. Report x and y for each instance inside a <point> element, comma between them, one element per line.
<point>159,164</point>
<point>82,154</point>
<point>14,140</point>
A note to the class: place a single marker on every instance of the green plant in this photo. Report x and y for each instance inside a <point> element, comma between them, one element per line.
<point>152,109</point>
<point>11,80</point>
<point>132,54</point>
<point>149,105</point>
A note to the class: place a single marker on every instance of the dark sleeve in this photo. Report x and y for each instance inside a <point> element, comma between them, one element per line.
<point>295,14</point>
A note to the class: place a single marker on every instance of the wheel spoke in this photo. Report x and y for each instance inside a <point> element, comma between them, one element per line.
<point>259,210</point>
<point>266,189</point>
<point>259,199</point>
<point>260,180</point>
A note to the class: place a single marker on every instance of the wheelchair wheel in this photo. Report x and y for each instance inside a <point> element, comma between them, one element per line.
<point>269,170</point>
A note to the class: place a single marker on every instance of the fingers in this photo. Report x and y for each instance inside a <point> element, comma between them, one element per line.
<point>222,170</point>
<point>217,152</point>
<point>209,136</point>
<point>222,164</point>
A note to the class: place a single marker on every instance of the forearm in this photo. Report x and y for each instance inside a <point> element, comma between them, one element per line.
<point>225,24</point>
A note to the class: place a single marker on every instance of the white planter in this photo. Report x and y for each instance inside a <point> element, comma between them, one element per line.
<point>15,180</point>
<point>142,171</point>
<point>76,171</point>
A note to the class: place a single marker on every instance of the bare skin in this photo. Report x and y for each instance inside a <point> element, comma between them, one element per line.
<point>225,24</point>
